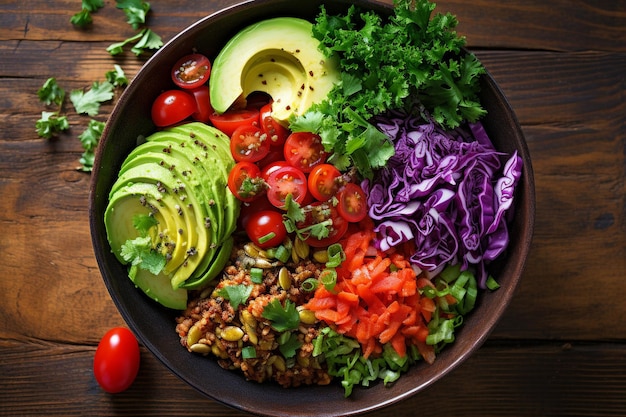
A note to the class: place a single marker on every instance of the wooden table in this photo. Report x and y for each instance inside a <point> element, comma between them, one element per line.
<point>560,349</point>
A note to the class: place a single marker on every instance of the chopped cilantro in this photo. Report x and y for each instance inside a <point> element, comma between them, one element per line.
<point>236,294</point>
<point>51,124</point>
<point>50,92</point>
<point>135,10</point>
<point>282,318</point>
<point>145,39</point>
<point>139,252</point>
<point>89,102</point>
<point>143,223</point>
<point>290,345</point>
<point>116,76</point>
<point>83,18</point>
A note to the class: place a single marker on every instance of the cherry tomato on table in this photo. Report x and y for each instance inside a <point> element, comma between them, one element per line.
<point>323,181</point>
<point>245,182</point>
<point>249,143</point>
<point>116,362</point>
<point>266,229</point>
<point>284,181</point>
<point>352,203</point>
<point>172,106</point>
<point>191,71</point>
<point>232,119</point>
<point>304,150</point>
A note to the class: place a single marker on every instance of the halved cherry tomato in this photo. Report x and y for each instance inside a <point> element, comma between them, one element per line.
<point>271,167</point>
<point>204,108</point>
<point>318,213</point>
<point>304,150</point>
<point>172,107</point>
<point>275,131</point>
<point>249,143</point>
<point>266,229</point>
<point>352,204</point>
<point>245,182</point>
<point>284,181</point>
<point>232,119</point>
<point>116,362</point>
<point>323,183</point>
<point>191,71</point>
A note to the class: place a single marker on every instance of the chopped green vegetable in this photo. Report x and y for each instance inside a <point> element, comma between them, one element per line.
<point>248,352</point>
<point>135,10</point>
<point>90,138</point>
<point>336,255</point>
<point>385,65</point>
<point>328,278</point>
<point>289,344</point>
<point>256,275</point>
<point>282,318</point>
<point>89,102</point>
<point>139,252</point>
<point>83,18</point>
<point>50,93</point>
<point>236,294</point>
<point>143,223</point>
<point>116,76</point>
<point>50,124</point>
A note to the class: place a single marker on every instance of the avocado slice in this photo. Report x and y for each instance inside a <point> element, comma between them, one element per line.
<point>277,56</point>
<point>178,176</point>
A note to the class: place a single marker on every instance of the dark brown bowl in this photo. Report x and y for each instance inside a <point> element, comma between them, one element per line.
<point>155,325</point>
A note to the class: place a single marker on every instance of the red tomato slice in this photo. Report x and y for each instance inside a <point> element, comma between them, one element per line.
<point>116,362</point>
<point>249,143</point>
<point>352,203</point>
<point>323,182</point>
<point>172,107</point>
<point>271,167</point>
<point>191,71</point>
<point>266,229</point>
<point>276,132</point>
<point>304,150</point>
<point>245,181</point>
<point>232,119</point>
<point>204,108</point>
<point>284,181</point>
<point>319,212</point>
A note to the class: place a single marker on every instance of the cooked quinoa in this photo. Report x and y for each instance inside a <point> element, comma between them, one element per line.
<point>210,325</point>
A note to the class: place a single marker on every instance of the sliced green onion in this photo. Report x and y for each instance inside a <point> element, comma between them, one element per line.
<point>256,275</point>
<point>336,255</point>
<point>248,352</point>
<point>492,284</point>
<point>282,253</point>
<point>450,272</point>
<point>309,284</point>
<point>264,239</point>
<point>328,278</point>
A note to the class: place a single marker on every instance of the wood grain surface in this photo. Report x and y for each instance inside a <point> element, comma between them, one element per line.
<point>559,350</point>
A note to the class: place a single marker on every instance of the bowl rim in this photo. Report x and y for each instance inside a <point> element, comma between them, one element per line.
<point>351,406</point>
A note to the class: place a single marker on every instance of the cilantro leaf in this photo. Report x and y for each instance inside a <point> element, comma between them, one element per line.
<point>116,76</point>
<point>143,222</point>
<point>89,139</point>
<point>118,47</point>
<point>139,252</point>
<point>50,124</point>
<point>235,294</point>
<point>50,92</point>
<point>282,318</point>
<point>149,40</point>
<point>290,346</point>
<point>135,10</point>
<point>89,102</point>
<point>83,18</point>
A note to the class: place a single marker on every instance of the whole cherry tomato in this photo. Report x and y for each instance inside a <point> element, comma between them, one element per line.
<point>172,107</point>
<point>266,229</point>
<point>116,362</point>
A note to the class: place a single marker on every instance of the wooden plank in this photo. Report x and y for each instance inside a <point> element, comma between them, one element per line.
<point>517,24</point>
<point>520,379</point>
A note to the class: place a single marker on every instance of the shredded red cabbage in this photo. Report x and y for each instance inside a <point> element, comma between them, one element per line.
<point>447,191</point>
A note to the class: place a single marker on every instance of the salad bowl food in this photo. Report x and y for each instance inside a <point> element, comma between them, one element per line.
<point>190,263</point>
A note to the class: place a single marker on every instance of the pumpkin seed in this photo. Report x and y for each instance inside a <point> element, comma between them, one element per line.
<point>284,278</point>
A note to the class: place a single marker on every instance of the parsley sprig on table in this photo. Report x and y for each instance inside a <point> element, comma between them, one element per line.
<point>386,65</point>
